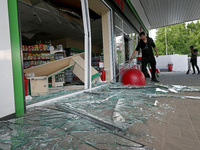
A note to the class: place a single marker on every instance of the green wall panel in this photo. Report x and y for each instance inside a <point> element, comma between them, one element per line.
<point>16,57</point>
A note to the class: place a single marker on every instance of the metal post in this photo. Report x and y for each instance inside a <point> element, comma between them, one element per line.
<point>110,43</point>
<point>87,43</point>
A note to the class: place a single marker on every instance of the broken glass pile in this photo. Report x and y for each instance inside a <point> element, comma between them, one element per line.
<point>98,119</point>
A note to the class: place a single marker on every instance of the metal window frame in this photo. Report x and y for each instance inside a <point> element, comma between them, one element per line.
<point>123,22</point>
<point>87,43</point>
<point>111,35</point>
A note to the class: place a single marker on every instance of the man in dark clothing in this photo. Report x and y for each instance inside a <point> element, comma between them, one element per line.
<point>193,60</point>
<point>146,45</point>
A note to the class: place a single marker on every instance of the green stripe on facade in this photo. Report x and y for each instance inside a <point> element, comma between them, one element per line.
<point>95,75</point>
<point>16,57</point>
<point>136,14</point>
<point>60,71</point>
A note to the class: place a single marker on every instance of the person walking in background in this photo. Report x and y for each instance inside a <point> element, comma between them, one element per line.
<point>194,53</point>
<point>146,44</point>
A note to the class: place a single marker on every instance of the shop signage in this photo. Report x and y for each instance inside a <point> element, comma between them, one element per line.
<point>120,3</point>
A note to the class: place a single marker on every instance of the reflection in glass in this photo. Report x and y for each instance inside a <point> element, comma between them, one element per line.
<point>120,52</point>
<point>132,43</point>
<point>125,43</point>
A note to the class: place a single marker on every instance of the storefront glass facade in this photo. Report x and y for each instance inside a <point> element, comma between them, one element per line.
<point>125,42</point>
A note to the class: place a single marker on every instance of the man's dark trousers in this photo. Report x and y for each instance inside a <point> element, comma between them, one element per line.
<point>152,61</point>
<point>194,64</point>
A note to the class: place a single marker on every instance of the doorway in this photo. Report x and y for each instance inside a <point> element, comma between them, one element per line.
<point>51,32</point>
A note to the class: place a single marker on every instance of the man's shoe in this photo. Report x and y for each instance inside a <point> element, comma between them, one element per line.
<point>154,80</point>
<point>193,73</point>
<point>198,72</point>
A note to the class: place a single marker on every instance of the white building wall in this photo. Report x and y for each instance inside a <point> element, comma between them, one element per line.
<point>180,62</point>
<point>198,61</point>
<point>7,103</point>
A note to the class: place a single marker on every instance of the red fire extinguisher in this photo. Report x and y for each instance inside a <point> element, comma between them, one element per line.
<point>26,85</point>
<point>103,75</point>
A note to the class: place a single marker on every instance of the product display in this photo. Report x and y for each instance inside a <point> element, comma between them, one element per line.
<point>68,76</point>
<point>59,54</point>
<point>60,77</point>
<point>73,51</point>
<point>95,62</point>
<point>29,64</point>
<point>38,54</point>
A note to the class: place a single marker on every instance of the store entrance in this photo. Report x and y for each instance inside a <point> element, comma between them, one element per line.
<point>52,37</point>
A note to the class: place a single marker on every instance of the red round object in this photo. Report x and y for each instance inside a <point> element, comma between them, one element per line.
<point>133,77</point>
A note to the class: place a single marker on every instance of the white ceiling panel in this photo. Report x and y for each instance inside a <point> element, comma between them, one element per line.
<point>161,13</point>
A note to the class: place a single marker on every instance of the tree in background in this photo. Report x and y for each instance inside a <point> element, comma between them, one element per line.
<point>179,38</point>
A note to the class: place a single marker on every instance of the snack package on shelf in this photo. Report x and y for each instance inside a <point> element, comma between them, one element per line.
<point>23,48</point>
<point>36,48</point>
<point>32,48</point>
<point>38,55</point>
<point>42,55</point>
<point>45,55</point>
<point>34,56</point>
<point>25,55</point>
<point>45,47</point>
<point>29,47</point>
<point>51,57</point>
<point>40,46</point>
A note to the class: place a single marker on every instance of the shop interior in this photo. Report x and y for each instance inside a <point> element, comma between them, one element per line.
<point>52,31</point>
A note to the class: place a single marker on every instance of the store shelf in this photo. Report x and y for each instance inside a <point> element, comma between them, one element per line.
<point>33,55</point>
<point>29,67</point>
<point>58,51</point>
<point>36,59</point>
<point>59,77</point>
<point>75,50</point>
<point>95,63</point>
<point>36,51</point>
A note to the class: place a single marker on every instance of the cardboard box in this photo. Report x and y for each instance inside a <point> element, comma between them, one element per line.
<point>39,86</point>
